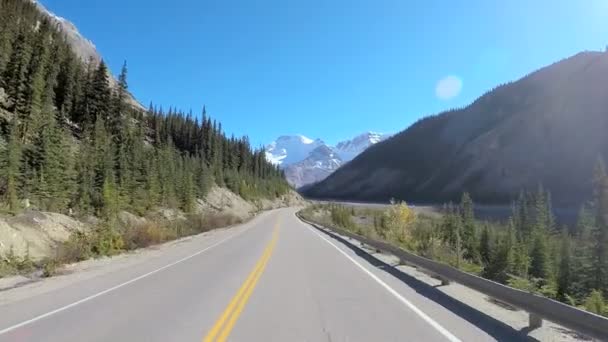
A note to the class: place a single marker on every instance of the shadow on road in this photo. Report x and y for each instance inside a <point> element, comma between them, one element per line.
<point>493,327</point>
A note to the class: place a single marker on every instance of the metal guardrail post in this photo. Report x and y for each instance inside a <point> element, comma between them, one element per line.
<point>535,321</point>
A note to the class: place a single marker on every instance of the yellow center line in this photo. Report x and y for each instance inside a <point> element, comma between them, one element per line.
<point>223,326</point>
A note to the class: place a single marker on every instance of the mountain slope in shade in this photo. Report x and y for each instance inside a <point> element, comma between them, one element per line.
<point>548,127</point>
<point>306,161</point>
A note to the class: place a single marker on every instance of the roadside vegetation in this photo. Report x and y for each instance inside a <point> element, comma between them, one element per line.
<point>109,238</point>
<point>530,251</point>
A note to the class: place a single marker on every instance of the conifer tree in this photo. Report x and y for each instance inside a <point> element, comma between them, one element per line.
<point>600,231</point>
<point>10,167</point>
<point>16,77</point>
<point>539,257</point>
<point>469,231</point>
<point>564,275</point>
<point>484,246</point>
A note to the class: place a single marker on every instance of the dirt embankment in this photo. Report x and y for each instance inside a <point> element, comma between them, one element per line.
<point>38,233</point>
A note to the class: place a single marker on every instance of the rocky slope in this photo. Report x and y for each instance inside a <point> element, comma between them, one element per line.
<point>548,127</point>
<point>82,47</point>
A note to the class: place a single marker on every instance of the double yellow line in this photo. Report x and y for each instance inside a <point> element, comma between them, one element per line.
<point>223,326</point>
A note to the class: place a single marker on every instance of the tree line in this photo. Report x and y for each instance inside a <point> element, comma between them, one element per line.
<point>71,141</point>
<point>532,252</point>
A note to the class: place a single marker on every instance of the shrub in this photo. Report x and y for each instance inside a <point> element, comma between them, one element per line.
<point>144,235</point>
<point>399,219</point>
<point>50,267</point>
<point>76,248</point>
<point>6,268</point>
<point>341,217</point>
<point>595,303</point>
<point>521,284</point>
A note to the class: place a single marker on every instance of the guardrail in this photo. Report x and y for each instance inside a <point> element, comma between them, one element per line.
<point>538,307</point>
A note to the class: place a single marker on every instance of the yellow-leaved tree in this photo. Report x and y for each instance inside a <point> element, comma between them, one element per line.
<point>399,218</point>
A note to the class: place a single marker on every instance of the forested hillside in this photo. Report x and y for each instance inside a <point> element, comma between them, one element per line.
<point>70,142</point>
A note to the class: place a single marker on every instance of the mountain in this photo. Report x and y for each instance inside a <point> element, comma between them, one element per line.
<point>319,164</point>
<point>547,128</point>
<point>306,161</point>
<point>290,149</point>
<point>349,149</point>
<point>80,45</point>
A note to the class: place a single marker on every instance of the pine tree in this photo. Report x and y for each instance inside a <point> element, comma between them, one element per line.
<point>539,258</point>
<point>484,246</point>
<point>36,86</point>
<point>98,96</point>
<point>103,163</point>
<point>116,121</point>
<point>585,222</point>
<point>600,231</point>
<point>15,77</point>
<point>6,35</point>
<point>469,232</point>
<point>152,184</point>
<point>10,167</point>
<point>521,217</point>
<point>564,275</point>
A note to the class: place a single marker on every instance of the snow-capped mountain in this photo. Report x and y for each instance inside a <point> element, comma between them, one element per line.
<point>319,164</point>
<point>349,149</point>
<point>306,161</point>
<point>290,149</point>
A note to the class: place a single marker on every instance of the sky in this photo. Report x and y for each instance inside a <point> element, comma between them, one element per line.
<point>330,69</point>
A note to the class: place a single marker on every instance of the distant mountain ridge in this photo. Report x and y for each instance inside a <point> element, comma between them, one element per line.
<point>547,128</point>
<point>306,161</point>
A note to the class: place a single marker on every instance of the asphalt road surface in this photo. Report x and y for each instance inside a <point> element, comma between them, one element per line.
<point>272,279</point>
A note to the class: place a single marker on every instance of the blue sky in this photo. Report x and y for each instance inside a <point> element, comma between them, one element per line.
<point>330,68</point>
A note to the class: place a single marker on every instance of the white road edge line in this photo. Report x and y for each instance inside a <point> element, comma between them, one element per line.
<point>86,299</point>
<point>409,304</point>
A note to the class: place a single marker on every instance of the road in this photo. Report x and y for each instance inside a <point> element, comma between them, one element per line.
<point>271,279</point>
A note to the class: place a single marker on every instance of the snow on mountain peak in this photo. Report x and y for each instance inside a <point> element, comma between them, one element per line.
<point>289,149</point>
<point>306,161</point>
<point>349,149</point>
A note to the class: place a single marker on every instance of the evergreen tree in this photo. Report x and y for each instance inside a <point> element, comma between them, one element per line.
<point>16,78</point>
<point>484,246</point>
<point>116,121</point>
<point>564,277</point>
<point>600,231</point>
<point>470,241</point>
<point>539,258</point>
<point>10,167</point>
<point>540,209</point>
<point>99,95</point>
